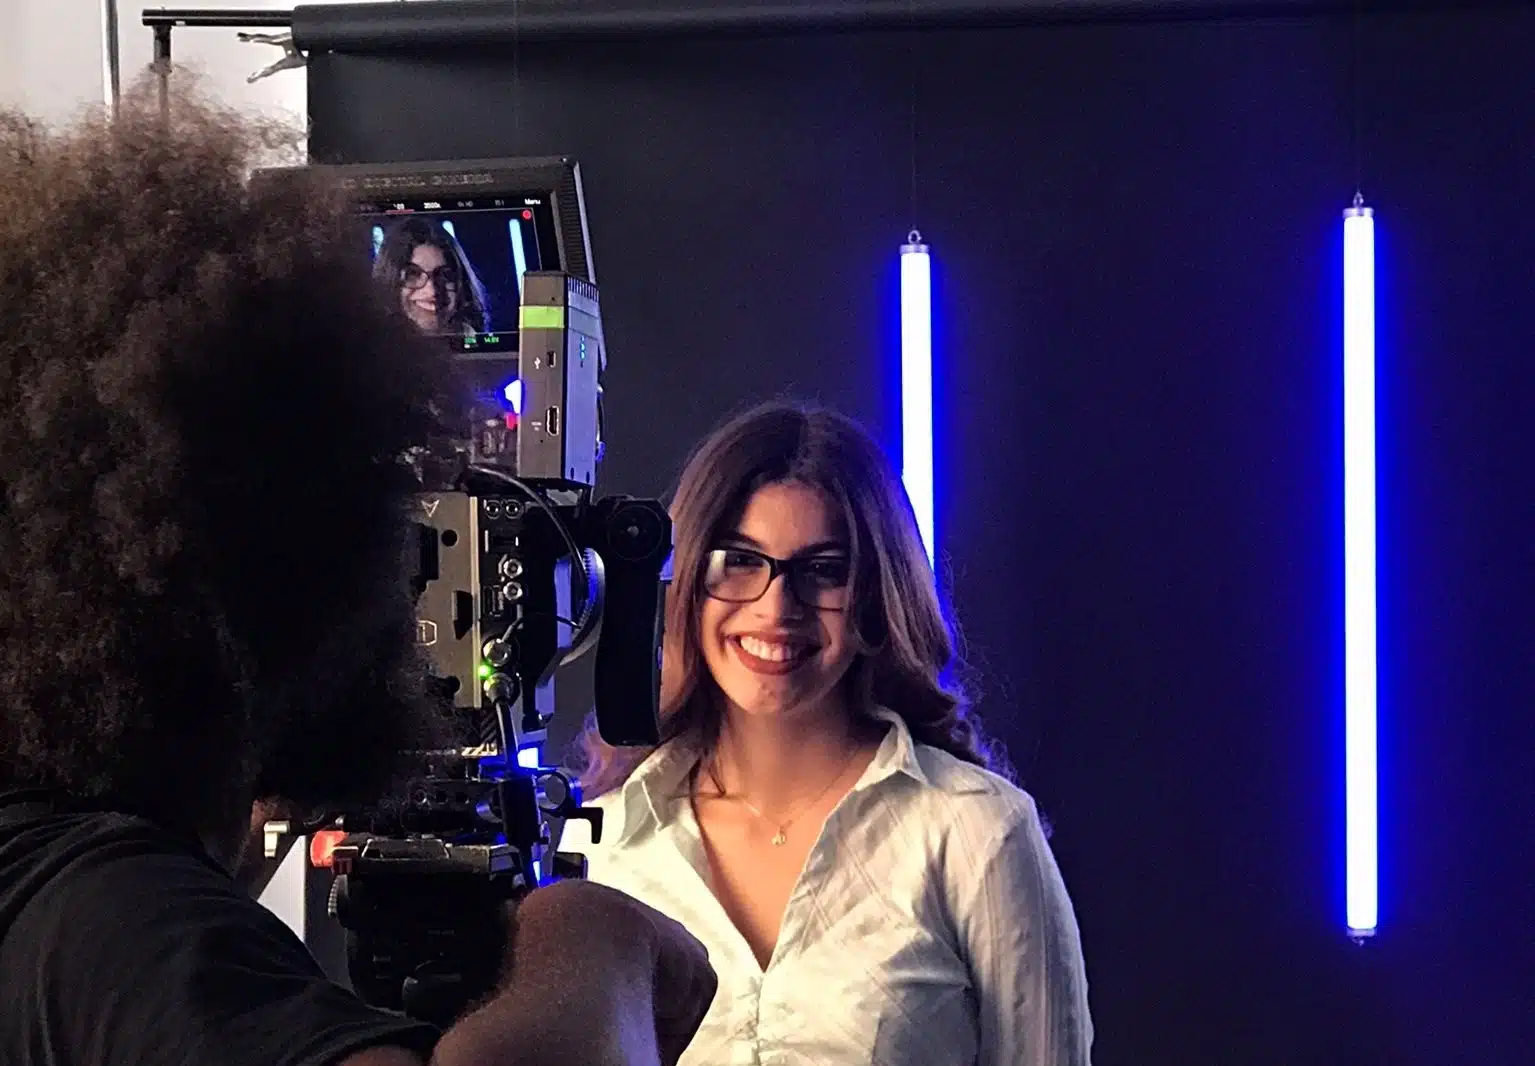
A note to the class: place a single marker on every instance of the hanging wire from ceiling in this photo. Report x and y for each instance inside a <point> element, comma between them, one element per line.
<point>517,74</point>
<point>912,90</point>
<point>1356,98</point>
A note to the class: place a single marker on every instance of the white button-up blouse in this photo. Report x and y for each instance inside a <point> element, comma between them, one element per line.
<point>929,927</point>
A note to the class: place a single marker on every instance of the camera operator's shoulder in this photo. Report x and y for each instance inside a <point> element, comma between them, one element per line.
<point>96,904</point>
<point>97,863</point>
<point>67,841</point>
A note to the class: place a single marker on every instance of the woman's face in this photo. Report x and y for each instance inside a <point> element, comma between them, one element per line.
<point>786,650</point>
<point>418,289</point>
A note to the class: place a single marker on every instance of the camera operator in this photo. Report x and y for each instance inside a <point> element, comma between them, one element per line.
<point>203,514</point>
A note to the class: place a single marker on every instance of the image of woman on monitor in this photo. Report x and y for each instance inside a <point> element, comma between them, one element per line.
<point>426,272</point>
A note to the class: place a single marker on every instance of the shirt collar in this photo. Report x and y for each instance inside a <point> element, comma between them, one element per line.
<point>897,754</point>
<point>652,793</point>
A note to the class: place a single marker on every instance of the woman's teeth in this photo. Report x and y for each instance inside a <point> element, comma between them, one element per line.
<point>770,652</point>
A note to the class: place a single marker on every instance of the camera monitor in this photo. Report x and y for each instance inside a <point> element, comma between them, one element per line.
<point>449,242</point>
<point>450,245</point>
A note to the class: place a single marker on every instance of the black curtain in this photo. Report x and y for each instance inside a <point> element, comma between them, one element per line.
<point>1136,231</point>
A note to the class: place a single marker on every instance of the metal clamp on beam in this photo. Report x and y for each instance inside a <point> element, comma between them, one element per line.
<point>163,20</point>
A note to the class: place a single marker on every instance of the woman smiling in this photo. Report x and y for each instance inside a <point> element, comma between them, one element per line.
<point>822,812</point>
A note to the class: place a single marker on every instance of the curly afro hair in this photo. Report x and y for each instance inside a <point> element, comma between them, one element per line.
<point>203,510</point>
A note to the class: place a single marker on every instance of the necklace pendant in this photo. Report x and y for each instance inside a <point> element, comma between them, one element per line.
<point>779,840</point>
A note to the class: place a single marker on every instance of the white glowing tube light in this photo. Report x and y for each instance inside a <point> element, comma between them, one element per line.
<point>1359,594</point>
<point>917,383</point>
<point>519,253</point>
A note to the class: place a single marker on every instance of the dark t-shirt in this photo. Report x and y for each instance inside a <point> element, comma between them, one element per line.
<point>122,944</point>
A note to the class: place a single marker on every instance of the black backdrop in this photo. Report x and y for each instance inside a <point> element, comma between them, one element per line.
<point>1136,231</point>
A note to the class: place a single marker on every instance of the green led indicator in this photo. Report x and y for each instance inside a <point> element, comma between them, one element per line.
<point>535,316</point>
<point>485,670</point>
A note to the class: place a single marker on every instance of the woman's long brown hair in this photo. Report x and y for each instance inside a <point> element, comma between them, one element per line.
<point>907,661</point>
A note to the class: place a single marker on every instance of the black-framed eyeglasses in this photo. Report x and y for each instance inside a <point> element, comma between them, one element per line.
<point>413,277</point>
<point>743,575</point>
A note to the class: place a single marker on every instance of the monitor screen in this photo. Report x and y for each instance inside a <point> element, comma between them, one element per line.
<point>454,265</point>
<point>447,244</point>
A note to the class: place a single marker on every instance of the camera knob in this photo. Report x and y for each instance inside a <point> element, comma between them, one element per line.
<point>499,688</point>
<point>497,652</point>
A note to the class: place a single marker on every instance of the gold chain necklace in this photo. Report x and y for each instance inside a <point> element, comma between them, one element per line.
<point>781,837</point>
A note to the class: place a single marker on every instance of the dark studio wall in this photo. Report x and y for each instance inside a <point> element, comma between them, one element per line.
<point>1136,231</point>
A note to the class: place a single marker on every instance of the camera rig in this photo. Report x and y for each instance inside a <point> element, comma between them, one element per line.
<point>517,571</point>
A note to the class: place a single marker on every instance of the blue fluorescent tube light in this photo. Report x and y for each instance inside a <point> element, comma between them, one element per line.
<point>1359,621</point>
<point>917,383</point>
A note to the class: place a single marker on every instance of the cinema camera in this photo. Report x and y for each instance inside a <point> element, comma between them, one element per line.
<point>517,570</point>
